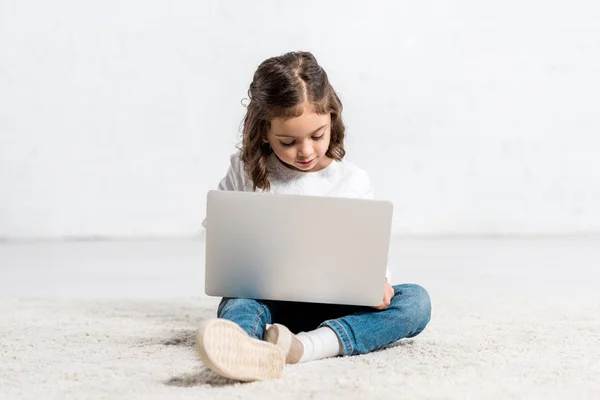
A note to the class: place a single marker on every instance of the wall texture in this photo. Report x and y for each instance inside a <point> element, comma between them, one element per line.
<point>473,117</point>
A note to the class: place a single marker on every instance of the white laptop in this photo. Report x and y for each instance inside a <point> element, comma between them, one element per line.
<point>297,248</point>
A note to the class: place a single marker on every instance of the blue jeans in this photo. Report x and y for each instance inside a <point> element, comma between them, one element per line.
<point>360,329</point>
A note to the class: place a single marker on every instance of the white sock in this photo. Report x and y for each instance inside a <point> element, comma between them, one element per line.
<point>320,343</point>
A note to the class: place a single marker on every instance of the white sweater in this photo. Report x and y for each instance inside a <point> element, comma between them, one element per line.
<point>339,179</point>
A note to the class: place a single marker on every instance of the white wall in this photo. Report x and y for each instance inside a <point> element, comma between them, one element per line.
<point>117,117</point>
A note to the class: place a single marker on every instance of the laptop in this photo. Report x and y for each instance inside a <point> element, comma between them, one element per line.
<point>297,248</point>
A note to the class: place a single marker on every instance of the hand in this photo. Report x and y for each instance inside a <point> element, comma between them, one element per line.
<point>388,293</point>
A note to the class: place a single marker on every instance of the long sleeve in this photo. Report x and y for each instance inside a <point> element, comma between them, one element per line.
<point>235,179</point>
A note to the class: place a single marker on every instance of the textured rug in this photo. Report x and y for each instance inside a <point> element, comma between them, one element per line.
<point>477,346</point>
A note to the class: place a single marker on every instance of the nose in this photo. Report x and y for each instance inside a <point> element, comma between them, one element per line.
<point>305,149</point>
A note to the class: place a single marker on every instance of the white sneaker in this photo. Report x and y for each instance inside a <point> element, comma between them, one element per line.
<point>290,345</point>
<point>227,349</point>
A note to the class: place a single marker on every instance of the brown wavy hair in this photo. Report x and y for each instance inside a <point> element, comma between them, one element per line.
<point>279,89</point>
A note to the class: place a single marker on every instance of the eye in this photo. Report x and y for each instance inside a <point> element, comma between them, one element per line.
<point>318,137</point>
<point>287,144</point>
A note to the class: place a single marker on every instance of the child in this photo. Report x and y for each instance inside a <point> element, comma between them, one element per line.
<point>293,142</point>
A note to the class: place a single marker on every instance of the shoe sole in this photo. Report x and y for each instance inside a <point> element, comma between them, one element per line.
<point>227,349</point>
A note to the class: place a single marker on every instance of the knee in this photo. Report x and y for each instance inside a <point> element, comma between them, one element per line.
<point>418,300</point>
<point>228,303</point>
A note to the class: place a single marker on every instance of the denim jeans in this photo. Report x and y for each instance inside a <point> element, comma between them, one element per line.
<point>360,329</point>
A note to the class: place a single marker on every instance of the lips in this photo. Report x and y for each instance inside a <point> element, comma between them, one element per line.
<point>305,163</point>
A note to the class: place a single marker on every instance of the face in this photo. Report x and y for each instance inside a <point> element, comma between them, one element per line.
<point>301,142</point>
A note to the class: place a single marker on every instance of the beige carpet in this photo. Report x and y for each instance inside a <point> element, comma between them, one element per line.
<point>484,346</point>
